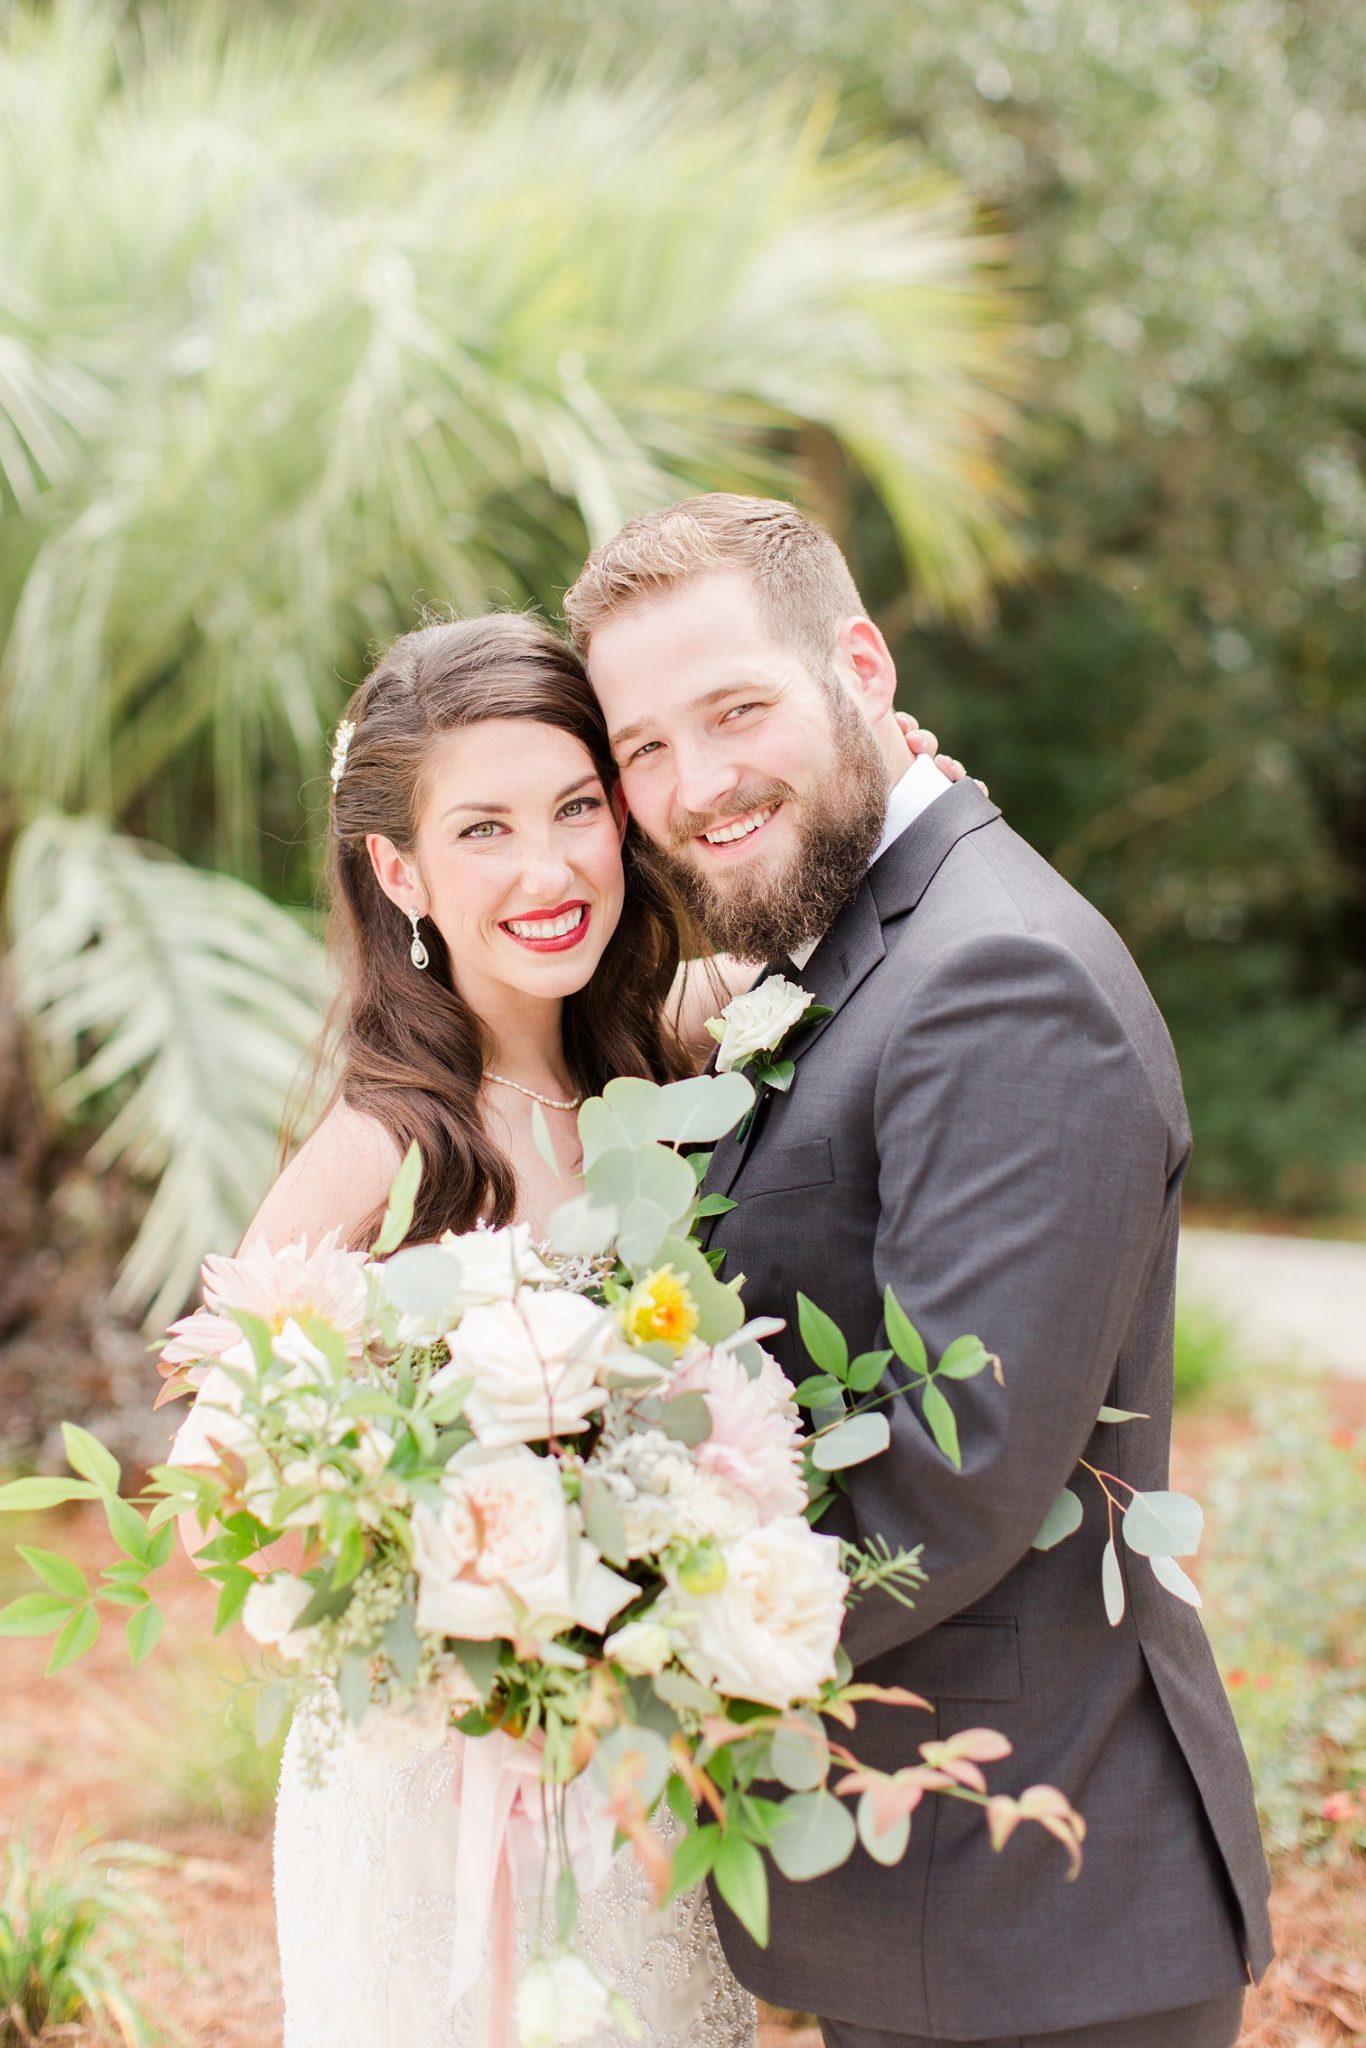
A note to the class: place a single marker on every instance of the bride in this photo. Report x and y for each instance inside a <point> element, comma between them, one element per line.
<point>504,946</point>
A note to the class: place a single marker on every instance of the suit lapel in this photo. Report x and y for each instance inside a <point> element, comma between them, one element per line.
<point>854,944</point>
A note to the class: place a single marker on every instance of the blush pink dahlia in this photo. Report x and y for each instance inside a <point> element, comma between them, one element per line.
<point>754,1445</point>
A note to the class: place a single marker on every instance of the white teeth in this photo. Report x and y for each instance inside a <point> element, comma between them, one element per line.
<point>547,927</point>
<point>723,834</point>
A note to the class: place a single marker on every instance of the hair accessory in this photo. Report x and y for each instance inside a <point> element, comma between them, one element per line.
<point>417,952</point>
<point>341,747</point>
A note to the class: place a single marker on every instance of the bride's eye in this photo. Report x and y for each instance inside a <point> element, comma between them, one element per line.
<point>487,828</point>
<point>581,806</point>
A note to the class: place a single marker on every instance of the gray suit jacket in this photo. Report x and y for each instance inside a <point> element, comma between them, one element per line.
<point>992,1121</point>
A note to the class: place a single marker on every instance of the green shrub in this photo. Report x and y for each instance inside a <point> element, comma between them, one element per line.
<point>1286,1596</point>
<point>1206,1356</point>
<point>70,1933</point>
<point>192,1749</point>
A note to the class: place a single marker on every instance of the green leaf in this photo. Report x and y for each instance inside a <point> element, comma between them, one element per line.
<point>566,1905</point>
<point>78,1636</point>
<point>1163,1524</point>
<point>800,1753</point>
<point>700,1162</point>
<point>823,1338</point>
<point>677,1689</point>
<point>640,1754</point>
<point>815,1834</point>
<point>816,1391</point>
<point>353,1686</point>
<point>742,1882</point>
<point>582,1228</point>
<point>1169,1574</point>
<point>144,1631</point>
<point>398,1213</point>
<point>943,1428</point>
<point>867,1369</point>
<point>402,1644</point>
<point>33,1614</point>
<point>55,1571</point>
<point>851,1442</point>
<point>964,1359</point>
<point>232,1597</point>
<point>480,1661</point>
<point>1120,1415</point>
<point>350,1561</point>
<point>701,1110</point>
<point>272,1704</point>
<point>128,1528</point>
<point>32,1496</point>
<point>775,1074</point>
<point>86,1454</point>
<point>124,1596</point>
<point>1112,1584</point>
<point>1062,1518</point>
<point>694,1857</point>
<point>259,1336</point>
<point>903,1336</point>
<point>160,1545</point>
<point>715,1205</point>
<point>686,1418</point>
<point>602,1522</point>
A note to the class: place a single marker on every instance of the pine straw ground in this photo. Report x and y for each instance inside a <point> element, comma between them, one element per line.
<point>96,1748</point>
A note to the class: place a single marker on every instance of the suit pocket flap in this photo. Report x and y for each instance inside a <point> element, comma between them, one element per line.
<point>963,1659</point>
<point>770,1170</point>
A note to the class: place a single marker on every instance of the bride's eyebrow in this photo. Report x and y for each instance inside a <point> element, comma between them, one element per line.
<point>502,810</point>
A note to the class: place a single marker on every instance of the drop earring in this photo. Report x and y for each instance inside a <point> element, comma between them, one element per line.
<point>417,952</point>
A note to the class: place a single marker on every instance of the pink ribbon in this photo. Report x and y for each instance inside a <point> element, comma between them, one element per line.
<point>500,1855</point>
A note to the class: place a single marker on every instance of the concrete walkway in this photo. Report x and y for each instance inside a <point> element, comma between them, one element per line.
<point>1293,1301</point>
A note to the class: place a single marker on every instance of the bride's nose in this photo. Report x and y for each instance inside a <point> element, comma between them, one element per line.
<point>547,876</point>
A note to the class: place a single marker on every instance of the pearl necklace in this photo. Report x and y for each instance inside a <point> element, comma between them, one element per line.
<point>534,1093</point>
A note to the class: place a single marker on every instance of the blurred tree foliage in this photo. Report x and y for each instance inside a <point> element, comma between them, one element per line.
<point>1173,706</point>
<point>298,334</point>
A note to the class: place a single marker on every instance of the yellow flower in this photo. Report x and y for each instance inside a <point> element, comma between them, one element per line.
<point>660,1310</point>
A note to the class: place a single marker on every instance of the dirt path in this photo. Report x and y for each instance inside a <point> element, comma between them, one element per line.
<point>1297,1301</point>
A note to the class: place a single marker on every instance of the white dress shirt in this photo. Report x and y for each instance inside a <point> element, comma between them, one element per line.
<point>918,788</point>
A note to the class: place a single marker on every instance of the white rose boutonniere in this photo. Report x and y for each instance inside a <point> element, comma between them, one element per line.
<point>753,1029</point>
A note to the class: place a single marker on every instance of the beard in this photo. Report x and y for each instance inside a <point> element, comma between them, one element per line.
<point>763,912</point>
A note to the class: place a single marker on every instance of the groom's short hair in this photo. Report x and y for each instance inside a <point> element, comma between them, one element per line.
<point>800,577</point>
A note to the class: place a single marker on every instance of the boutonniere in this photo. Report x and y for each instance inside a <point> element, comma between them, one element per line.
<point>753,1029</point>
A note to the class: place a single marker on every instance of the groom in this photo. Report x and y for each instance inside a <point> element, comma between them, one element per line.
<point>991,1122</point>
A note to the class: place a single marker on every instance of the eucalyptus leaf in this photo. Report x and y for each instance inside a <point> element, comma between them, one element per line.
<point>701,1110</point>
<point>1163,1524</point>
<point>353,1686</point>
<point>272,1704</point>
<point>424,1281</point>
<point>1112,1584</point>
<point>540,1138</point>
<point>641,1232</point>
<point>815,1833</point>
<point>582,1228</point>
<point>639,1755</point>
<point>851,1442</point>
<point>480,1662</point>
<point>1169,1574</point>
<point>1062,1519</point>
<point>800,1753</point>
<point>678,1689</point>
<point>401,1643</point>
<point>720,1310</point>
<point>1120,1415</point>
<point>602,1523</point>
<point>885,1848</point>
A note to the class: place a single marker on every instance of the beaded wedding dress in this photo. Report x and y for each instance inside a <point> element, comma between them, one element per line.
<point>365,1856</point>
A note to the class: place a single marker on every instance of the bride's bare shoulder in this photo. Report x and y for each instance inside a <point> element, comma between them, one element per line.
<point>336,1180</point>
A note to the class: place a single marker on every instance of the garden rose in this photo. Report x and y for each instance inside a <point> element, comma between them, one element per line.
<point>753,1443</point>
<point>758,1021</point>
<point>505,1555</point>
<point>643,1648</point>
<point>494,1264</point>
<point>770,1632</point>
<point>271,1609</point>
<point>536,1363</point>
<point>561,2000</point>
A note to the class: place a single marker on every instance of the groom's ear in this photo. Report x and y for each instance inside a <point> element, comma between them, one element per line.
<point>865,663</point>
<point>619,809</point>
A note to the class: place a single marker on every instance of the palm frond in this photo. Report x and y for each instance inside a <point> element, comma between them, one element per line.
<point>368,343</point>
<point>175,1006</point>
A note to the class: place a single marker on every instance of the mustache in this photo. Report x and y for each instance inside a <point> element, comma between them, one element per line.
<point>753,796</point>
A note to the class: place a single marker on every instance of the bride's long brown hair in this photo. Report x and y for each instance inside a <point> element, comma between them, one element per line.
<point>412,1052</point>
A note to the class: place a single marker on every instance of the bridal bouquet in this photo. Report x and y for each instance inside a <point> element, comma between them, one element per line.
<point>559,1500</point>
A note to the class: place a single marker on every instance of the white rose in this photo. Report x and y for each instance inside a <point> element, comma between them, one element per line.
<point>561,2001</point>
<point>643,1648</point>
<point>505,1554</point>
<point>771,1631</point>
<point>535,1362</point>
<point>759,1020</point>
<point>433,1285</point>
<point>494,1264</point>
<point>271,1609</point>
